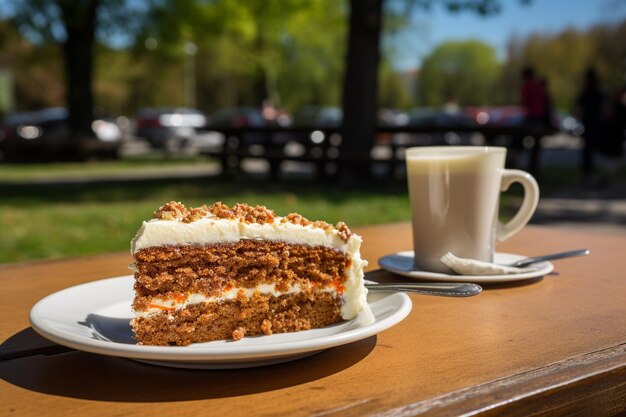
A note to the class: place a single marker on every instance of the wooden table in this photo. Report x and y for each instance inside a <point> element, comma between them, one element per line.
<point>552,346</point>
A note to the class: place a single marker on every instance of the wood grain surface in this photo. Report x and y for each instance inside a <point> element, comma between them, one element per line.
<point>550,346</point>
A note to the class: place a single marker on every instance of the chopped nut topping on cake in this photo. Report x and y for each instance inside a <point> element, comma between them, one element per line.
<point>257,214</point>
<point>298,219</point>
<point>343,231</point>
<point>196,213</point>
<point>221,210</point>
<point>171,211</point>
<point>244,213</point>
<point>295,218</point>
<point>177,211</point>
<point>320,224</point>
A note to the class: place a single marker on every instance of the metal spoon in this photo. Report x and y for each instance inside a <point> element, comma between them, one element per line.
<point>447,289</point>
<point>531,260</point>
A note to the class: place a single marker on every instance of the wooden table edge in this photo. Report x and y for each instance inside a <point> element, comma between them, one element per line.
<point>595,376</point>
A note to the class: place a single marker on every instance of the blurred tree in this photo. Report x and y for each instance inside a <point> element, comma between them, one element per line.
<point>249,52</point>
<point>314,56</point>
<point>360,87</point>
<point>466,72</point>
<point>177,34</point>
<point>35,70</point>
<point>393,91</point>
<point>74,25</point>
<point>115,70</point>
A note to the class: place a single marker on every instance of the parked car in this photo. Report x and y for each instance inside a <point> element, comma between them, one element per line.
<point>45,135</point>
<point>252,117</point>
<point>238,117</point>
<point>170,128</point>
<point>322,117</point>
<point>435,116</point>
<point>440,117</point>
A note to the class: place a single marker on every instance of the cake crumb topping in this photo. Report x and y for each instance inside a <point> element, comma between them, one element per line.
<point>171,211</point>
<point>258,214</point>
<point>221,210</point>
<point>266,327</point>
<point>196,213</point>
<point>295,218</point>
<point>343,231</point>
<point>243,212</point>
<point>239,333</point>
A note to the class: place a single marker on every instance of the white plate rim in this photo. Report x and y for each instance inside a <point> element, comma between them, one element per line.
<point>542,268</point>
<point>209,352</point>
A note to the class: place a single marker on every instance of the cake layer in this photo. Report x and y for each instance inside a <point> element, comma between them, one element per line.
<point>248,263</point>
<point>239,317</point>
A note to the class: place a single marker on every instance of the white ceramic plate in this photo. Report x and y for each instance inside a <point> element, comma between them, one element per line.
<point>94,317</point>
<point>402,263</point>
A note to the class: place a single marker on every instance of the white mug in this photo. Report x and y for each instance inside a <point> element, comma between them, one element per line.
<point>455,198</point>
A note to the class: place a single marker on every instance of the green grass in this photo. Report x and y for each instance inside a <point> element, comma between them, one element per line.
<point>148,164</point>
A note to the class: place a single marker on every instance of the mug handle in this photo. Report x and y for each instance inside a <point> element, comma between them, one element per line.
<point>525,212</point>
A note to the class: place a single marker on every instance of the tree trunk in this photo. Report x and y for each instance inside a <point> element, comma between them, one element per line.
<point>80,22</point>
<point>360,86</point>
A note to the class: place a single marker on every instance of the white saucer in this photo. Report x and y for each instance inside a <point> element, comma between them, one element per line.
<point>94,317</point>
<point>402,263</point>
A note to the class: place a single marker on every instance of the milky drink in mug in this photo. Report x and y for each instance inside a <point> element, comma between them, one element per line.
<point>455,195</point>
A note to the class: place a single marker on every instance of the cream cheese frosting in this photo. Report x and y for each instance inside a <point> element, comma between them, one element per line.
<point>209,228</point>
<point>168,304</point>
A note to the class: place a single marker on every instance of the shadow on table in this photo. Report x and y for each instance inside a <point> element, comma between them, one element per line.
<point>52,369</point>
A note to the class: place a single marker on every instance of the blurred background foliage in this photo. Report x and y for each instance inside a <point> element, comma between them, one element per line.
<point>466,71</point>
<point>291,52</point>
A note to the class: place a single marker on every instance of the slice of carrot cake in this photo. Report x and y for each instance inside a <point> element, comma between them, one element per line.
<point>220,272</point>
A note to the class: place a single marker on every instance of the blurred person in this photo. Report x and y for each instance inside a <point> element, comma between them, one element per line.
<point>591,109</point>
<point>548,113</point>
<point>611,146</point>
<point>269,111</point>
<point>536,105</point>
<point>534,99</point>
